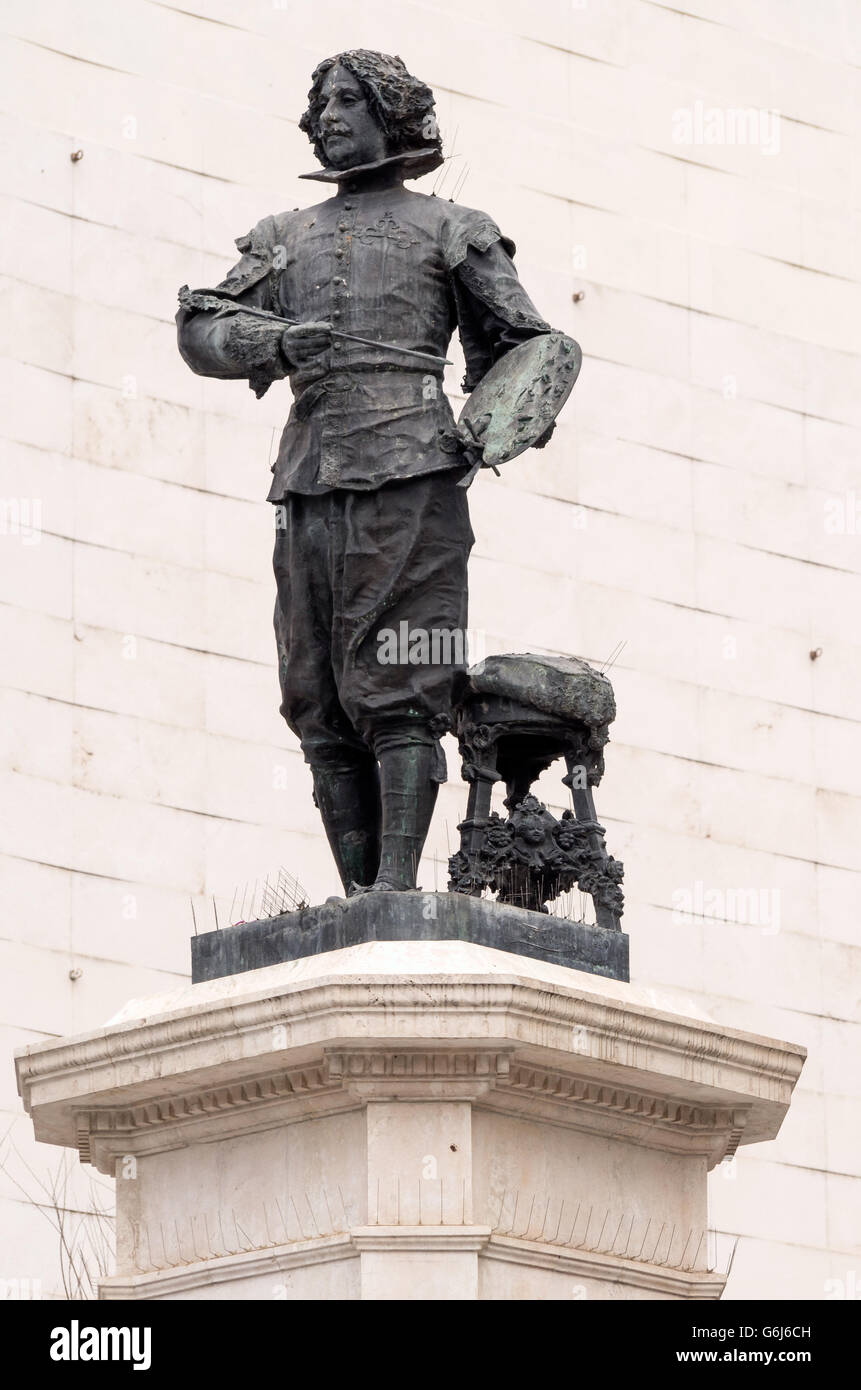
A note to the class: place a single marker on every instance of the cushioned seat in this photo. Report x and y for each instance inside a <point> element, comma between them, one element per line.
<point>562,686</point>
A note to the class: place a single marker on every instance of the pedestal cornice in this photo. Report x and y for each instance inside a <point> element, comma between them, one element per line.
<point>523,1036</point>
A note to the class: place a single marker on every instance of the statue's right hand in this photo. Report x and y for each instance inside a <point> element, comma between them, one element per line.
<point>304,341</point>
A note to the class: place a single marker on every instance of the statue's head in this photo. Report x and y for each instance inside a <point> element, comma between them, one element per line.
<point>365,106</point>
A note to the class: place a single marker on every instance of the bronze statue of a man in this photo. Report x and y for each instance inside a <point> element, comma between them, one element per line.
<point>372,528</point>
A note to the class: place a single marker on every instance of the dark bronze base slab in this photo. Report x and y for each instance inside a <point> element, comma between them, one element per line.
<point>409,917</point>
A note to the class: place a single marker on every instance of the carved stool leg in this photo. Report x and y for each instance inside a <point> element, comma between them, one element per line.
<point>481,787</point>
<point>584,810</point>
<point>481,779</point>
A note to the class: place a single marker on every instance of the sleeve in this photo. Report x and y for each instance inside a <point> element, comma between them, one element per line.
<point>494,312</point>
<point>216,340</point>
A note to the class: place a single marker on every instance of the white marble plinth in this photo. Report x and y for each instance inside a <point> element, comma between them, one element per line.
<point>416,1120</point>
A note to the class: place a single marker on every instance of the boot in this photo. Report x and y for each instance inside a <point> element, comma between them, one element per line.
<point>348,799</point>
<point>408,797</point>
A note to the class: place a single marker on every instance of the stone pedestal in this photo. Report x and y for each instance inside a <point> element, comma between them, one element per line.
<point>415,916</point>
<point>409,1120</point>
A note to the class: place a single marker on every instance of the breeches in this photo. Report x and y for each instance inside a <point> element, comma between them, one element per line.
<point>361,576</point>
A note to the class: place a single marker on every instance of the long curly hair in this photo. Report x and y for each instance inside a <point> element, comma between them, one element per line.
<point>401,104</point>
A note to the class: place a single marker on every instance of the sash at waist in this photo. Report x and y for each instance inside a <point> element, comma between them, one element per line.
<point>308,395</point>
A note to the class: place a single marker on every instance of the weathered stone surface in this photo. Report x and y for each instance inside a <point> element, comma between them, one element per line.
<point>409,917</point>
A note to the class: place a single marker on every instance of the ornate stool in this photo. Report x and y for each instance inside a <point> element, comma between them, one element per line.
<point>514,716</point>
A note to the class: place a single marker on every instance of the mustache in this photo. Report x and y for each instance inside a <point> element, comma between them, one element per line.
<point>329,131</point>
